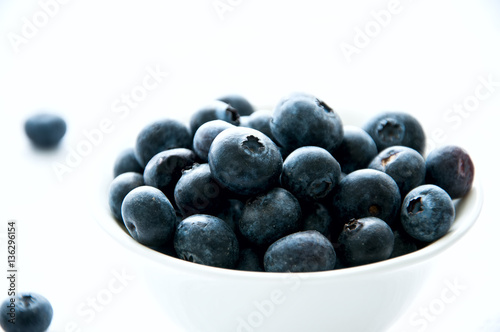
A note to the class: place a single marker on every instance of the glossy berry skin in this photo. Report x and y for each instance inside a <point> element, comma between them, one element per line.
<point>270,216</point>
<point>367,193</point>
<point>303,120</point>
<point>427,213</point>
<point>245,161</point>
<point>165,169</point>
<point>197,192</point>
<point>405,165</point>
<point>206,240</point>
<point>451,168</point>
<point>119,188</point>
<point>216,110</point>
<point>149,216</point>
<point>45,130</point>
<point>364,241</point>
<point>396,128</point>
<point>240,103</point>
<point>33,313</point>
<point>356,150</point>
<point>310,173</point>
<point>205,135</point>
<point>127,162</point>
<point>307,251</point>
<point>160,136</point>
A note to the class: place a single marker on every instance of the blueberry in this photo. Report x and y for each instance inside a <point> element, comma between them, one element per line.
<point>356,150</point>
<point>364,241</point>
<point>206,240</point>
<point>396,128</point>
<point>33,313</point>
<point>197,192</point>
<point>249,260</point>
<point>405,165</point>
<point>245,161</point>
<point>270,216</point>
<point>303,120</point>
<point>205,135</point>
<point>427,213</point>
<point>127,162</point>
<point>451,168</point>
<point>216,110</point>
<point>119,188</point>
<point>239,103</point>
<point>310,173</point>
<point>315,216</point>
<point>261,121</point>
<point>165,169</point>
<point>307,251</point>
<point>160,136</point>
<point>149,216</point>
<point>367,193</point>
<point>45,130</point>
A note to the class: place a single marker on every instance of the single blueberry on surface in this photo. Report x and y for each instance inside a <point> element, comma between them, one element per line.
<point>197,192</point>
<point>306,251</point>
<point>240,103</point>
<point>365,240</point>
<point>245,161</point>
<point>270,216</point>
<point>165,169</point>
<point>33,313</point>
<point>149,216</point>
<point>356,150</point>
<point>405,165</point>
<point>216,110</point>
<point>206,240</point>
<point>310,173</point>
<point>396,128</point>
<point>159,136</point>
<point>119,188</point>
<point>366,193</point>
<point>427,213</point>
<point>45,130</point>
<point>127,162</point>
<point>205,135</point>
<point>451,168</point>
<point>303,120</point>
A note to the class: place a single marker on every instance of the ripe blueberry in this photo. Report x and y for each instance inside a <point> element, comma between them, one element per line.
<point>427,213</point>
<point>149,216</point>
<point>396,128</point>
<point>451,168</point>
<point>206,240</point>
<point>245,161</point>
<point>45,130</point>
<point>306,251</point>
<point>119,188</point>
<point>160,136</point>
<point>365,240</point>
<point>33,313</point>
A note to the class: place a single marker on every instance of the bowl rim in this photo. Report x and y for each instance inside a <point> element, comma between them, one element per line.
<point>467,208</point>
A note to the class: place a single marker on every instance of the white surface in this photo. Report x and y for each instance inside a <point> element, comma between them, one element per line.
<point>428,58</point>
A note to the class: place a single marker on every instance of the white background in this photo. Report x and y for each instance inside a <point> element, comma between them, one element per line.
<point>428,57</point>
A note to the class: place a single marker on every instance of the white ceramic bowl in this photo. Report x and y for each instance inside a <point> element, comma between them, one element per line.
<point>207,299</point>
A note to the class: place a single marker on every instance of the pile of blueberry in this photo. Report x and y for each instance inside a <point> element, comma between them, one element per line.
<point>292,190</point>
